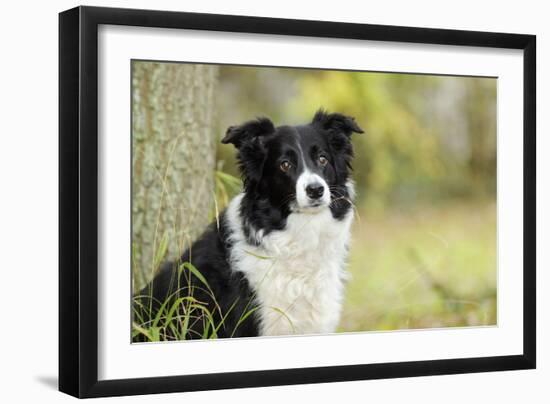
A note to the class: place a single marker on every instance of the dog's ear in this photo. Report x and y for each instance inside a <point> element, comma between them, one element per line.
<point>237,135</point>
<point>247,138</point>
<point>336,122</point>
<point>338,129</point>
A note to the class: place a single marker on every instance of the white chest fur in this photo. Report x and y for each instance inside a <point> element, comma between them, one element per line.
<point>298,273</point>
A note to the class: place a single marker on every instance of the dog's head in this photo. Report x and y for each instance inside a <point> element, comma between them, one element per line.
<point>300,167</point>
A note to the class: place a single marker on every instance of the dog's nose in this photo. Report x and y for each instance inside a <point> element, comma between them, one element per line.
<point>315,190</point>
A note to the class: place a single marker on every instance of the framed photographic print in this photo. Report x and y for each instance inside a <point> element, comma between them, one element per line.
<point>251,201</point>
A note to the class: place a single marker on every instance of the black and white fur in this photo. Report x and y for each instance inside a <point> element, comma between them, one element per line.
<point>281,244</point>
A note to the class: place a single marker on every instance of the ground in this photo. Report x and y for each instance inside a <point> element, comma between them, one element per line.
<point>430,267</point>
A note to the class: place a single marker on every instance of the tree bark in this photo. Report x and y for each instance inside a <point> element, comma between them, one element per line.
<point>173,160</point>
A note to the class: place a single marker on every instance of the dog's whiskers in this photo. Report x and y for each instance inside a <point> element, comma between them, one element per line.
<point>348,200</point>
<point>288,198</point>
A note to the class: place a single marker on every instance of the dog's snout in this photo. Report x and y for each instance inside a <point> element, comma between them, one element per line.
<point>315,190</point>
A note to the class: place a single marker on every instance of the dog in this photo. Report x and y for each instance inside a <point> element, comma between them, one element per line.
<point>273,263</point>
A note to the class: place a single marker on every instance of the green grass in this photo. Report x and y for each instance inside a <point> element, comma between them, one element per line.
<point>178,315</point>
<point>182,311</point>
<point>423,268</point>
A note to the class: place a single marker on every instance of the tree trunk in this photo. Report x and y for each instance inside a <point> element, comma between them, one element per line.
<point>173,146</point>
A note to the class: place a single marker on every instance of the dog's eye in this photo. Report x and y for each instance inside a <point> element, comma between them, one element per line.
<point>285,166</point>
<point>323,160</point>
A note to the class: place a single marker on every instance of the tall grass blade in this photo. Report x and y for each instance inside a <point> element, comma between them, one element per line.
<point>243,318</point>
<point>160,253</point>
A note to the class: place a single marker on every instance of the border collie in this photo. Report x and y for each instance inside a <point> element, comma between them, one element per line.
<point>278,251</point>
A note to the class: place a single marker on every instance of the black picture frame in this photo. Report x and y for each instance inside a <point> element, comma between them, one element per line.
<point>78,200</point>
